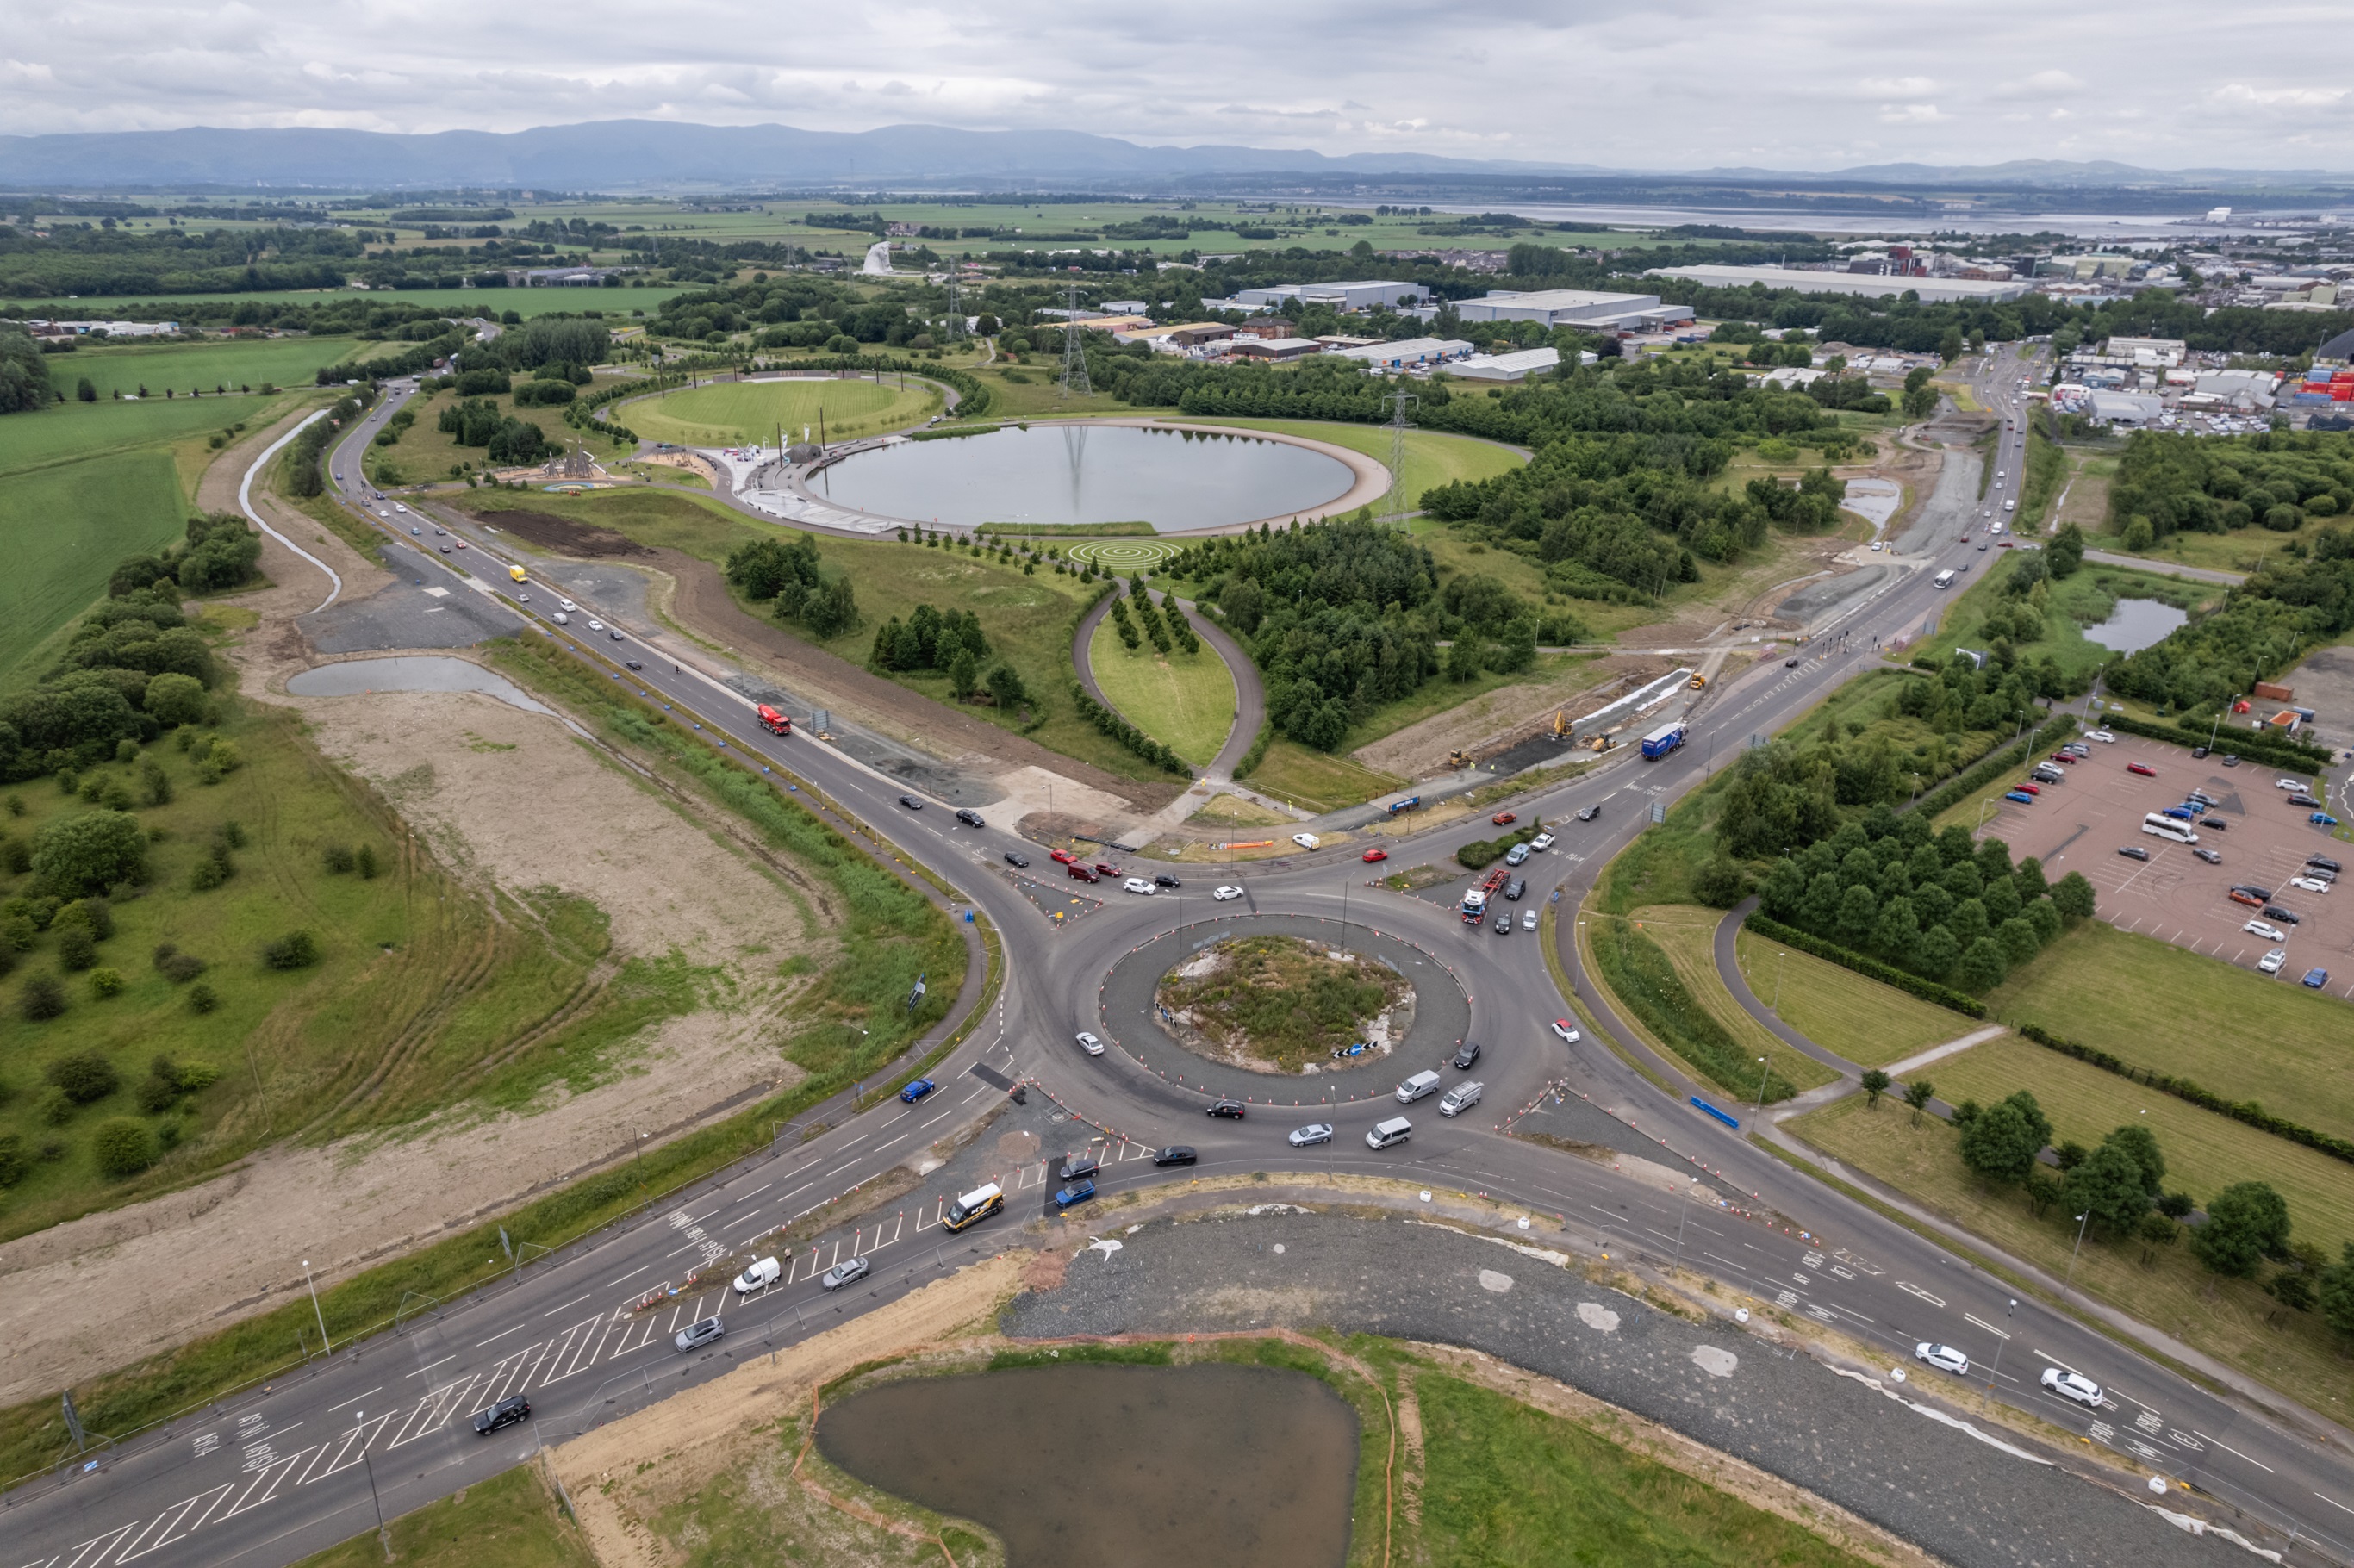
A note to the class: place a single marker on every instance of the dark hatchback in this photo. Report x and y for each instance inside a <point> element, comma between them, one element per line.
<point>1175,1154</point>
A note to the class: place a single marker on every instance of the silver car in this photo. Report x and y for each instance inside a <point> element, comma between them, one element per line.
<point>1314,1132</point>
<point>842,1274</point>
<point>704,1331</point>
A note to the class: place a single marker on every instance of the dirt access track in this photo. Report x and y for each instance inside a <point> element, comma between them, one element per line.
<point>700,601</point>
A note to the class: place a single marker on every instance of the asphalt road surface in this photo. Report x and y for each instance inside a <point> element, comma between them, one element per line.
<point>274,1474</point>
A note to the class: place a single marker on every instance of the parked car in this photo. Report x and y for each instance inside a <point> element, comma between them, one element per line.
<point>1541,842</point>
<point>759,1277</point>
<point>2200,797</point>
<point>704,1331</point>
<point>1377,854</point>
<point>1229,891</point>
<point>1590,812</point>
<point>916,1091</point>
<point>2269,933</point>
<point>2310,884</point>
<point>2068,758</point>
<point>2103,736</point>
<point>1314,1132</point>
<point>2304,800</point>
<point>2028,789</point>
<point>1467,1053</point>
<point>1076,1193</point>
<point>2213,857</point>
<point>2285,916</point>
<point>1945,1358</point>
<point>2322,820</point>
<point>515,1407</point>
<point>2072,1386</point>
<point>1228,1110</point>
<point>1563,1027</point>
<point>2323,863</point>
<point>1175,1154</point>
<point>2134,851</point>
<point>1089,1043</point>
<point>844,1272</point>
<point>2295,786</point>
<point>2316,978</point>
<point>2271,963</point>
<point>2241,895</point>
<point>2230,759</point>
<point>2144,768</point>
<point>2020,796</point>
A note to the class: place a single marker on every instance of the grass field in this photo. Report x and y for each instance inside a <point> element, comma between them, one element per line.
<point>1433,458</point>
<point>512,1519</point>
<point>1687,934</point>
<point>1186,701</point>
<point>426,452</point>
<point>420,989</point>
<point>1026,617</point>
<point>2154,1005</point>
<point>741,413</point>
<point>2232,1319</point>
<point>281,362</point>
<point>2087,598</point>
<point>490,303</point>
<point>65,431</point>
<point>1868,1023</point>
<point>65,527</point>
<point>1316,780</point>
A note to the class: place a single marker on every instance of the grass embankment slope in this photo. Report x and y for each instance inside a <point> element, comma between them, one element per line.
<point>1027,616</point>
<point>1184,700</point>
<point>1433,458</point>
<point>743,413</point>
<point>1868,1023</point>
<point>513,1519</point>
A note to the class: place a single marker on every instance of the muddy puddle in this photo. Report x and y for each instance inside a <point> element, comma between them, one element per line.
<point>1245,1466</point>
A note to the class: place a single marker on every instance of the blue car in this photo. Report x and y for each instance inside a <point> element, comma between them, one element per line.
<point>2316,978</point>
<point>917,1090</point>
<point>2322,820</point>
<point>2022,796</point>
<point>1076,1193</point>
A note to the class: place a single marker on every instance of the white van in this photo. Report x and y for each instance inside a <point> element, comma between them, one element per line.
<point>975,1205</point>
<point>1397,1130</point>
<point>760,1277</point>
<point>1461,1097</point>
<point>1416,1087</point>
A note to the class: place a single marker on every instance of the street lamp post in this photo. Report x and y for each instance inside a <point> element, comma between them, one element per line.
<point>323,1346</point>
<point>360,1416</point>
<point>2073,1251</point>
<point>2009,1314</point>
<point>1778,956</point>
<point>1763,1073</point>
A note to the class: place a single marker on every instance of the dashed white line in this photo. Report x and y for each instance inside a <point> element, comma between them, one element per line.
<point>576,1301</point>
<point>428,1366</point>
<point>2259,1464</point>
<point>627,1278</point>
<point>501,1334</point>
<point>379,1389</point>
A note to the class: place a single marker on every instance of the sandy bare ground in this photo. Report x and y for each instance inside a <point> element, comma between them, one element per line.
<point>1495,718</point>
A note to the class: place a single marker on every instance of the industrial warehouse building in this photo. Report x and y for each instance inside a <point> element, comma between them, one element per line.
<point>1407,354</point>
<point>1553,308</point>
<point>1357,296</point>
<point>1933,290</point>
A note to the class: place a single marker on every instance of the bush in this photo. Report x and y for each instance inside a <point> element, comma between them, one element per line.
<point>89,852</point>
<point>43,998</point>
<point>201,998</point>
<point>55,1108</point>
<point>158,1092</point>
<point>84,1076</point>
<point>105,982</point>
<point>177,967</point>
<point>95,916</point>
<point>12,1159</point>
<point>123,1146</point>
<point>338,860</point>
<point>364,861</point>
<point>294,950</point>
<point>76,950</point>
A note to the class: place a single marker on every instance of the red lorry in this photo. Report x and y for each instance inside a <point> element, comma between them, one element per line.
<point>774,722</point>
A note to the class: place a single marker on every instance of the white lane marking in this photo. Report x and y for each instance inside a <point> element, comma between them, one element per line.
<point>1911,1289</point>
<point>501,1334</point>
<point>755,1193</point>
<point>1989,1328</point>
<point>2332,1501</point>
<point>627,1278</point>
<point>552,1311</point>
<point>428,1366</point>
<point>354,1399</point>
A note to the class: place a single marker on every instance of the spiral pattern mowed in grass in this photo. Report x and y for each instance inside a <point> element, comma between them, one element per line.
<point>1122,556</point>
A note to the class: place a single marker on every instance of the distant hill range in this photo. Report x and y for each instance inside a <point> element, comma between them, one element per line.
<point>634,154</point>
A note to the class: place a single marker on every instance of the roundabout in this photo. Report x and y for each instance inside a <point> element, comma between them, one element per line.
<point>1427,1031</point>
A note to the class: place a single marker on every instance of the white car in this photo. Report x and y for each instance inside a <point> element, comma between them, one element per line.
<point>2265,928</point>
<point>1528,919</point>
<point>566,604</point>
<point>2072,1386</point>
<point>1541,842</point>
<point>562,619</point>
<point>595,625</point>
<point>2295,784</point>
<point>2310,884</point>
<point>1229,891</point>
<point>1089,1043</point>
<point>2271,963</point>
<point>1306,840</point>
<point>2103,736</point>
<point>1314,1132</point>
<point>1139,885</point>
<point>399,506</point>
<point>1561,1026</point>
<point>1945,1358</point>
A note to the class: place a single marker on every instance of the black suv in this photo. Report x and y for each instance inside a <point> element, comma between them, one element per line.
<point>2323,863</point>
<point>1162,879</point>
<point>1514,889</point>
<point>515,1407</point>
<point>2285,916</point>
<point>969,817</point>
<point>1467,1053</point>
<point>1077,1166</point>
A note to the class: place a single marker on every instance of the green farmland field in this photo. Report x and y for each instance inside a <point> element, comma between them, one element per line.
<point>69,430</point>
<point>731,413</point>
<point>525,303</point>
<point>66,526</point>
<point>280,362</point>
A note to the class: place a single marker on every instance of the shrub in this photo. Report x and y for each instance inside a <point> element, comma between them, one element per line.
<point>123,1146</point>
<point>201,998</point>
<point>75,949</point>
<point>294,950</point>
<point>206,874</point>
<point>105,982</point>
<point>158,1093</point>
<point>85,1075</point>
<point>180,967</point>
<point>12,1159</point>
<point>95,916</point>
<point>174,699</point>
<point>43,998</point>
<point>364,861</point>
<point>337,859</point>
<point>89,852</point>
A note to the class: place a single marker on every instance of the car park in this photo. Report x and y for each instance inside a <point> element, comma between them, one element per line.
<point>1138,884</point>
<point>2309,884</point>
<point>2269,933</point>
<point>704,1331</point>
<point>2315,978</point>
<point>2134,851</point>
<point>2213,857</point>
<point>1589,813</point>
<point>2144,768</point>
<point>911,802</point>
<point>2285,916</point>
<point>969,817</point>
<point>1162,879</point>
<point>1229,891</point>
<point>1945,1358</point>
<point>1089,1043</point>
<point>1016,858</point>
<point>1175,1154</point>
<point>1569,1033</point>
<point>1377,854</point>
<point>2271,963</point>
<point>844,1272</point>
<point>1226,1110</point>
<point>1541,842</point>
<point>1078,873</point>
<point>1466,1054</point>
<point>1314,1132</point>
<point>1076,1193</point>
<point>2073,1386</point>
<point>515,1407</point>
<point>1517,855</point>
<point>916,1091</point>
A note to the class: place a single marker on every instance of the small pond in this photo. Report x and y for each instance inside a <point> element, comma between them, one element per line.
<point>1238,1465</point>
<point>409,672</point>
<point>2135,624</point>
<point>1086,473</point>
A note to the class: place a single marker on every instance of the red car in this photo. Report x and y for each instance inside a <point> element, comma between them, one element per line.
<point>2239,895</point>
<point>2064,756</point>
<point>2030,789</point>
<point>1063,856</point>
<point>1373,854</point>
<point>2144,768</point>
<point>1081,873</point>
<point>1104,868</point>
<point>1505,818</point>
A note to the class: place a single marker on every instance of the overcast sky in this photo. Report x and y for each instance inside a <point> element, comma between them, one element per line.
<point>1797,84</point>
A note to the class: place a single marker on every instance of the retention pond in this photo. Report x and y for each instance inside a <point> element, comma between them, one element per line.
<point>1244,1466</point>
<point>2136,624</point>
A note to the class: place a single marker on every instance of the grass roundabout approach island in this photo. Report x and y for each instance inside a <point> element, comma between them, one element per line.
<point>1217,1035</point>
